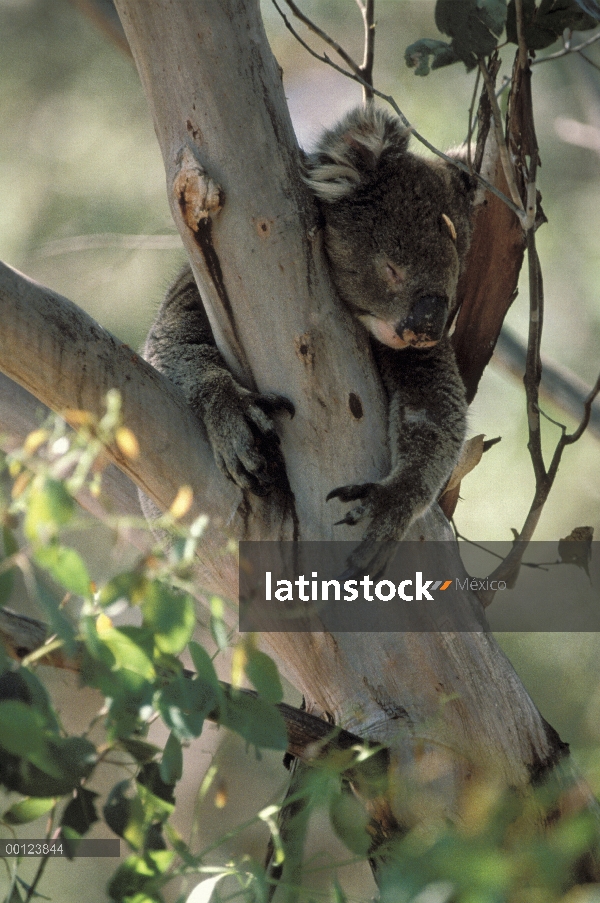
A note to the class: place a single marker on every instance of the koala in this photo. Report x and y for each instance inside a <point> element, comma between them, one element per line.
<point>396,231</point>
<point>238,422</point>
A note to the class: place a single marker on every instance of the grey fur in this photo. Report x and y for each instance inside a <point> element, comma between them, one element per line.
<point>238,422</point>
<point>397,230</point>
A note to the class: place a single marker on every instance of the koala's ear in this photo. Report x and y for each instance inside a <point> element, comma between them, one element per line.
<point>462,182</point>
<point>349,154</point>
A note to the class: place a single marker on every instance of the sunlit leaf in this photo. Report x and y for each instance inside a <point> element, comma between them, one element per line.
<point>66,566</point>
<point>262,673</point>
<point>28,810</point>
<point>170,615</point>
<point>171,764</point>
<point>203,892</point>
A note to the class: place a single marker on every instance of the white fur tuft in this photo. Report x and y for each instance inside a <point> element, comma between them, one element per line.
<point>349,153</point>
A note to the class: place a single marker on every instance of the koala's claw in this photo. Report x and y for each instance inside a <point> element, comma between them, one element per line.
<point>353,516</point>
<point>271,403</point>
<point>351,493</point>
<point>247,447</point>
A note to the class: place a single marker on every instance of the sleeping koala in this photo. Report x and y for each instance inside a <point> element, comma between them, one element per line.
<point>397,230</point>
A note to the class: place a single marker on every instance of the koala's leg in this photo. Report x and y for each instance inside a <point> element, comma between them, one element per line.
<point>427,421</point>
<point>238,422</point>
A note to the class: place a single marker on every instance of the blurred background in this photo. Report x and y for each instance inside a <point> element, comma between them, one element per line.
<point>84,211</point>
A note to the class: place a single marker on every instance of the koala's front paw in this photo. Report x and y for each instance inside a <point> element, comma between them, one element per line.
<point>244,440</point>
<point>390,516</point>
<point>389,508</point>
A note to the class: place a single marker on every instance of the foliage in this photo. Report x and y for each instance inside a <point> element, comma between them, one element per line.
<point>476,26</point>
<point>138,671</point>
<point>136,668</point>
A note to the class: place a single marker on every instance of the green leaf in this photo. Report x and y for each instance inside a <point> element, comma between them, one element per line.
<point>205,670</point>
<point>117,809</point>
<point>7,577</point>
<point>22,730</point>
<point>136,876</point>
<point>262,672</point>
<point>338,894</point>
<point>58,621</point>
<point>129,585</point>
<point>350,821</point>
<point>135,813</point>
<point>36,761</point>
<point>149,777</point>
<point>73,757</point>
<point>155,807</point>
<point>130,705</point>
<point>473,25</point>
<point>140,750</point>
<point>544,24</point>
<point>66,567</point>
<point>28,810</point>
<point>50,507</point>
<point>184,704</point>
<point>170,615</point>
<point>417,55</point>
<point>171,764</point>
<point>219,632</point>
<point>80,813</point>
<point>22,684</point>
<point>258,722</point>
<point>131,648</point>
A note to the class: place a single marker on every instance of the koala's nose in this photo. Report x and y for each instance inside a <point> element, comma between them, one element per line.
<point>426,319</point>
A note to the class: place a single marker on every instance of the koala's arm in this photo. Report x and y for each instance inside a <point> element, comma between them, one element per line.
<point>427,422</point>
<point>238,422</point>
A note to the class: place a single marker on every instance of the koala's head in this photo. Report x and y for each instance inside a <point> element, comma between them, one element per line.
<point>397,227</point>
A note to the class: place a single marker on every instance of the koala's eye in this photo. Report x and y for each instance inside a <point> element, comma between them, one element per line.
<point>394,274</point>
<point>451,227</point>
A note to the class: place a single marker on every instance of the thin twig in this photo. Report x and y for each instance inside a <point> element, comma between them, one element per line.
<point>388,98</point>
<point>312,26</point>
<point>533,366</point>
<point>471,119</point>
<point>509,172</point>
<point>544,479</point>
<point>521,41</point>
<point>567,50</point>
<point>570,438</point>
<point>366,70</point>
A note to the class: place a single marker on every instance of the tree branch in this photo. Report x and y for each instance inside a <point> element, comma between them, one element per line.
<point>57,342</point>
<point>312,26</point>
<point>366,70</point>
<point>567,50</point>
<point>308,736</point>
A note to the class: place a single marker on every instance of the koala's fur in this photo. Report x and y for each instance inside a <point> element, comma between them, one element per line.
<point>397,230</point>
